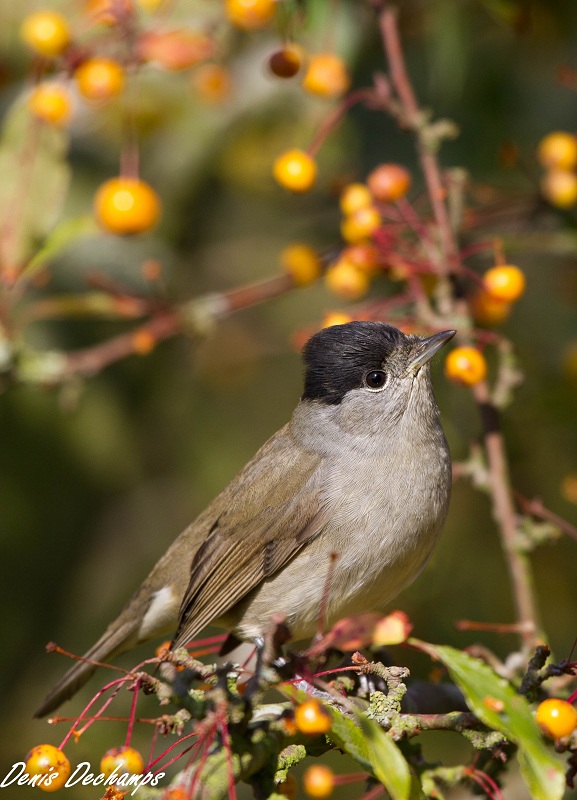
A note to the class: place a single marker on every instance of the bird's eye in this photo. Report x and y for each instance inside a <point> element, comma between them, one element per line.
<point>375,379</point>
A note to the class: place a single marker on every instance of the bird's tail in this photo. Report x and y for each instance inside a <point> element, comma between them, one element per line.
<point>114,641</point>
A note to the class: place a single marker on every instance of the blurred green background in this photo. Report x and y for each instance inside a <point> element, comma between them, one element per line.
<point>97,478</point>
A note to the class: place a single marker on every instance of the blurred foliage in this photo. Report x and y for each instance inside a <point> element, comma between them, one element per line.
<point>99,475</point>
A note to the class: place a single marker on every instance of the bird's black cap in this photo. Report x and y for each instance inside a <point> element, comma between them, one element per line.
<point>337,358</point>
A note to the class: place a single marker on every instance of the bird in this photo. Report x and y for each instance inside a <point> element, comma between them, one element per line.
<point>361,470</point>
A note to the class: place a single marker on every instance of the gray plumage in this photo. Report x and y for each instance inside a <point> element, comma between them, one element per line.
<point>362,469</point>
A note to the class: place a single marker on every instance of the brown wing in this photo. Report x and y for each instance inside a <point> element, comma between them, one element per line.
<point>262,516</point>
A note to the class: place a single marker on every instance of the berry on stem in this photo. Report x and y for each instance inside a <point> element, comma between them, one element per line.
<point>50,765</point>
<point>487,309</point>
<point>46,32</point>
<point>250,14</point>
<point>99,78</point>
<point>286,62</point>
<point>50,101</point>
<point>558,150</point>
<point>347,281</point>
<point>125,759</point>
<point>311,718</point>
<point>389,182</point>
<point>354,197</point>
<point>302,262</point>
<point>295,170</point>
<point>361,225</point>
<point>319,781</point>
<point>556,718</point>
<point>559,187</point>
<point>335,318</point>
<point>465,365</point>
<point>326,75</point>
<point>505,282</point>
<point>126,205</point>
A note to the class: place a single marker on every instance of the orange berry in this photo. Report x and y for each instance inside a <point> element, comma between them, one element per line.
<point>175,793</point>
<point>302,262</point>
<point>125,759</point>
<point>212,82</point>
<point>389,182</point>
<point>312,718</point>
<point>363,255</point>
<point>326,75</point>
<point>556,718</point>
<point>347,281</point>
<point>295,170</point>
<point>250,14</point>
<point>335,318</point>
<point>46,32</point>
<point>108,12</point>
<point>465,365</point>
<point>175,50</point>
<point>558,150</point>
<point>143,342</point>
<point>49,765</point>
<point>286,62</point>
<point>488,310</point>
<point>559,187</point>
<point>99,78</point>
<point>51,102</point>
<point>505,282</point>
<point>354,197</point>
<point>361,225</point>
<point>126,205</point>
<point>319,781</point>
<point>288,787</point>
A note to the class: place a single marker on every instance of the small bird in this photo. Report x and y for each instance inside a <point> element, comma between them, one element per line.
<point>362,469</point>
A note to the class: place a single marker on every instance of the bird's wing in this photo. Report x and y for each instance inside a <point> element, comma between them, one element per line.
<point>265,516</point>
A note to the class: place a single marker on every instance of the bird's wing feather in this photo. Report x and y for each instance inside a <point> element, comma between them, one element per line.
<point>257,526</point>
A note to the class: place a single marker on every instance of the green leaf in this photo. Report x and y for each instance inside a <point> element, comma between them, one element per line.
<point>371,748</point>
<point>58,239</point>
<point>35,177</point>
<point>388,763</point>
<point>496,703</point>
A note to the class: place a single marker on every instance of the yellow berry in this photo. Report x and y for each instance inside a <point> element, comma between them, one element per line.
<point>126,205</point>
<point>505,282</point>
<point>51,102</point>
<point>295,170</point>
<point>49,765</point>
<point>302,262</point>
<point>124,759</point>
<point>363,256</point>
<point>354,197</point>
<point>347,281</point>
<point>361,225</point>
<point>46,32</point>
<point>465,365</point>
<point>559,187</point>
<point>326,75</point>
<point>389,182</point>
<point>557,718</point>
<point>99,78</point>
<point>311,718</point>
<point>335,318</point>
<point>488,310</point>
<point>250,14</point>
<point>319,781</point>
<point>558,150</point>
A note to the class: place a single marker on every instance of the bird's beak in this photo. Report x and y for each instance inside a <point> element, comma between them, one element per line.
<point>427,348</point>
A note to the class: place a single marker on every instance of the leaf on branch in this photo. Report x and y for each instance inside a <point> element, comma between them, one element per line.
<point>499,706</point>
<point>362,630</point>
<point>35,178</point>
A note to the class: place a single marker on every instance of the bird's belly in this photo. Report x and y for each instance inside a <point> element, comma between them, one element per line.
<point>378,552</point>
